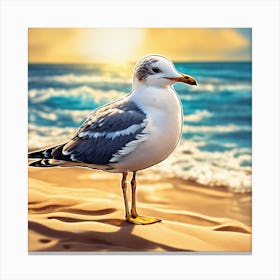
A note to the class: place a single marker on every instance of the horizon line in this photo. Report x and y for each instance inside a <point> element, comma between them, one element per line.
<point>133,62</point>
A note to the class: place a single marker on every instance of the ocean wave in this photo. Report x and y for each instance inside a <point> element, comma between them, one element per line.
<point>216,129</point>
<point>215,169</point>
<point>211,85</point>
<point>43,136</point>
<point>79,79</point>
<point>218,87</point>
<point>197,116</point>
<point>84,93</point>
<point>224,87</point>
<point>59,116</point>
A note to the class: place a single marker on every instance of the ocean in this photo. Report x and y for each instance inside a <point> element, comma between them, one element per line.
<point>216,145</point>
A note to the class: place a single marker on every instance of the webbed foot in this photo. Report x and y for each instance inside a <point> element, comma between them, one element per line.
<point>140,220</point>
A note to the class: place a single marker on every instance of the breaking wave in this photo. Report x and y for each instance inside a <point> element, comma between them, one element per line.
<point>80,79</point>
<point>216,129</point>
<point>81,94</point>
<point>230,169</point>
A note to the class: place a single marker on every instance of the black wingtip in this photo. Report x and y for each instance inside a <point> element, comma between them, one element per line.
<point>36,154</point>
<point>41,163</point>
<point>44,153</point>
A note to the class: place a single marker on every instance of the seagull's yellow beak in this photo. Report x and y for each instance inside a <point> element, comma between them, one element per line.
<point>185,79</point>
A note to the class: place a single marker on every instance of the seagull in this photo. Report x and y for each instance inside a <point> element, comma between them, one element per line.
<point>130,134</point>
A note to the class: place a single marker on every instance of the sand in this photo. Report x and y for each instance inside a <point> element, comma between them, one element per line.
<point>77,210</point>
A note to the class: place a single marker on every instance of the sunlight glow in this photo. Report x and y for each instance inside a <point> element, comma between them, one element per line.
<point>122,45</point>
<point>111,45</point>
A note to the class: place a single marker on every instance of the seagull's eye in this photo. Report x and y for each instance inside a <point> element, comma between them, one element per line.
<point>156,70</point>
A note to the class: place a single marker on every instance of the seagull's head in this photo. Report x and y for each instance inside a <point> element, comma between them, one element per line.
<point>157,70</point>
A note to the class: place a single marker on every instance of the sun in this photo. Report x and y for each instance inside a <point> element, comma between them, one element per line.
<point>111,45</point>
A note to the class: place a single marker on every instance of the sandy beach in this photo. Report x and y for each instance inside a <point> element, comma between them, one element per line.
<point>76,209</point>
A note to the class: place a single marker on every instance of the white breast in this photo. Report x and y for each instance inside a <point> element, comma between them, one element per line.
<point>164,125</point>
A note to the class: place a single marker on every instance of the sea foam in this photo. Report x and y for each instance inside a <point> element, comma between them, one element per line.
<point>215,169</point>
<point>78,79</point>
<point>83,93</point>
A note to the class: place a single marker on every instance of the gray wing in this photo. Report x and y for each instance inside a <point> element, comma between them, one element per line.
<point>106,132</point>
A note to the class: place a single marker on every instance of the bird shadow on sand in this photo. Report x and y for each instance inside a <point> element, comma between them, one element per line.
<point>122,240</point>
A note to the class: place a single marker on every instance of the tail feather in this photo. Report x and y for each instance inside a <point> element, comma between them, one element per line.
<point>45,153</point>
<point>48,156</point>
<point>42,163</point>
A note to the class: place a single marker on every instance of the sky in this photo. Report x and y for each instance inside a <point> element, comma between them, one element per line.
<point>85,45</point>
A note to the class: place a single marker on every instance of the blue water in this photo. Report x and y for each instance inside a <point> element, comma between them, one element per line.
<point>216,144</point>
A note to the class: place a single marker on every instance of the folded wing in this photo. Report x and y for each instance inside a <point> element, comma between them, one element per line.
<point>108,131</point>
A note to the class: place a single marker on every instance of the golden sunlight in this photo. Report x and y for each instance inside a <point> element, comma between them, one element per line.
<point>110,45</point>
<point>121,45</point>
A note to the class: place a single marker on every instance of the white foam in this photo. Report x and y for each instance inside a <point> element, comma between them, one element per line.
<point>49,116</point>
<point>216,169</point>
<point>197,116</point>
<point>216,129</point>
<point>43,136</point>
<point>83,92</point>
<point>78,79</point>
<point>219,87</point>
<point>75,115</point>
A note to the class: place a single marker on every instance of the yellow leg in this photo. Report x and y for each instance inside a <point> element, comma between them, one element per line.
<point>124,187</point>
<point>133,196</point>
<point>135,218</point>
